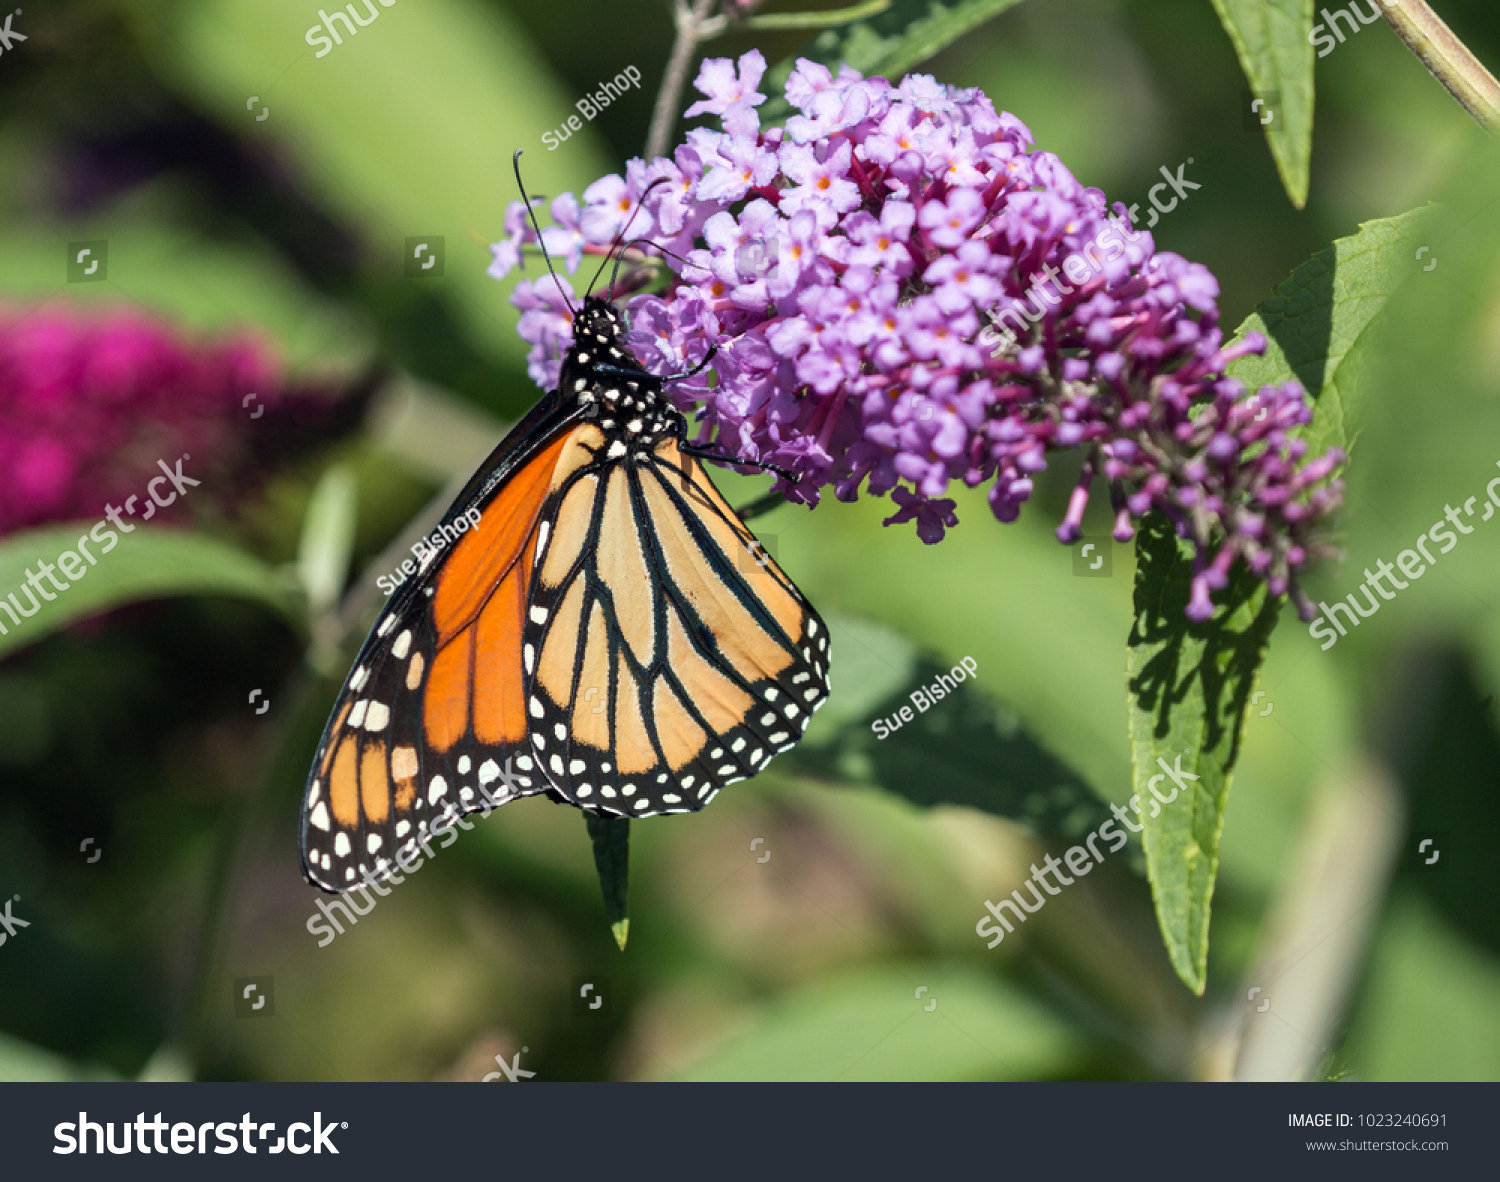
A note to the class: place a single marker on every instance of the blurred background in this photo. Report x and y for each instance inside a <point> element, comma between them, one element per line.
<point>253,205</point>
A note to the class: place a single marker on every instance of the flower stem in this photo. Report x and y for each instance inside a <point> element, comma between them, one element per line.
<point>1448,59</point>
<point>817,20</point>
<point>689,19</point>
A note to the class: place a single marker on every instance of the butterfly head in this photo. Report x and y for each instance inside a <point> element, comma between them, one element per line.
<point>597,331</point>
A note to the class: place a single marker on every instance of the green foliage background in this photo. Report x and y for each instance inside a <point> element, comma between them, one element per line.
<point>821,961</point>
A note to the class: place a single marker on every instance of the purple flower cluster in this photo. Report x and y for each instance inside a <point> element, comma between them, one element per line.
<point>903,293</point>
<point>88,405</point>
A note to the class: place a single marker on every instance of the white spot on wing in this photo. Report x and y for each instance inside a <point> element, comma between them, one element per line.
<point>403,763</point>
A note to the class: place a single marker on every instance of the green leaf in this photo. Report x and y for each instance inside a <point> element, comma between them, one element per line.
<point>1045,641</point>
<point>1189,683</point>
<point>611,838</point>
<point>1317,321</point>
<point>882,1024</point>
<point>963,749</point>
<point>202,285</point>
<point>147,563</point>
<point>328,537</point>
<point>889,44</point>
<point>1188,687</point>
<point>1270,37</point>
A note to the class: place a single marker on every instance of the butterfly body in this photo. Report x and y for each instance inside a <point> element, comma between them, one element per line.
<point>611,635</point>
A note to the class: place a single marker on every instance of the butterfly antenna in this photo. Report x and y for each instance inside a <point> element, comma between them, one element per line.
<point>669,253</point>
<point>625,229</point>
<point>516,163</point>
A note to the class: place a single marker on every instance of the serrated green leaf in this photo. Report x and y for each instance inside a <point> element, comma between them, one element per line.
<point>1188,685</point>
<point>1270,37</point>
<point>147,563</point>
<point>611,840</point>
<point>904,35</point>
<point>1317,322</point>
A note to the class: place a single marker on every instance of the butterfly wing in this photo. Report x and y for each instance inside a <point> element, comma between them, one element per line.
<point>672,655</point>
<point>611,634</point>
<point>434,708</point>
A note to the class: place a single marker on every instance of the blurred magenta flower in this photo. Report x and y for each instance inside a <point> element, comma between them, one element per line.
<point>88,404</point>
<point>903,292</point>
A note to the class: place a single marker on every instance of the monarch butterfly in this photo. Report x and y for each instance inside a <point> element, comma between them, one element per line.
<point>611,634</point>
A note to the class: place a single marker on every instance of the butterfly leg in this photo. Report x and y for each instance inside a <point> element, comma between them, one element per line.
<point>704,453</point>
<point>624,372</point>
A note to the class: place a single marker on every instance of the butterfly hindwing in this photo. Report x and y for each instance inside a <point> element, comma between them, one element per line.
<point>673,656</point>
